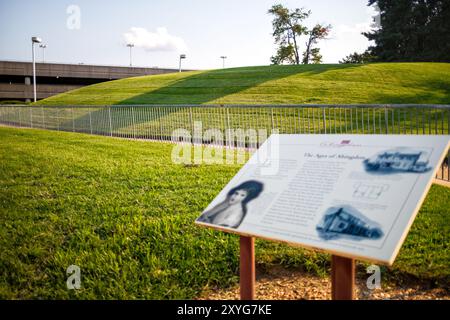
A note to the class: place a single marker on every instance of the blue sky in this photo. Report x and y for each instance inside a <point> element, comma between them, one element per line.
<point>204,30</point>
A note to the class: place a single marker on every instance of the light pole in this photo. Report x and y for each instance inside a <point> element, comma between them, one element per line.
<point>130,45</point>
<point>182,56</point>
<point>223,61</point>
<point>43,46</point>
<point>33,41</point>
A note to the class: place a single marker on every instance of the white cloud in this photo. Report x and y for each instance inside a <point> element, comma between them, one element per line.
<point>346,30</point>
<point>160,40</point>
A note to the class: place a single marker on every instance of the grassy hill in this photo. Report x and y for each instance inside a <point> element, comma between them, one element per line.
<point>321,84</point>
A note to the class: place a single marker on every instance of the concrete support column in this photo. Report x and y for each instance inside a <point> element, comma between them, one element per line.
<point>27,83</point>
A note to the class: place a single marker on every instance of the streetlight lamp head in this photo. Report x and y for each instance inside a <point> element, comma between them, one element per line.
<point>36,40</point>
<point>182,56</point>
<point>223,61</point>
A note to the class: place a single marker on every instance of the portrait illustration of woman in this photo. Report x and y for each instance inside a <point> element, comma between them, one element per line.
<point>231,212</point>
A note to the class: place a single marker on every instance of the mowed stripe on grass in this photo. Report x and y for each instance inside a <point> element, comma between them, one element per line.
<point>317,84</point>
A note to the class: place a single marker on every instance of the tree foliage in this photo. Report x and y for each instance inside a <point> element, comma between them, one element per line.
<point>412,30</point>
<point>315,34</point>
<point>316,57</point>
<point>285,53</point>
<point>356,57</point>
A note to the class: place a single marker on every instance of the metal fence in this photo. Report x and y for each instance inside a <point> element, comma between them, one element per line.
<point>158,122</point>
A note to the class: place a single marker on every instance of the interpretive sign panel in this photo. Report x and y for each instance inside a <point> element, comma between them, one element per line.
<point>351,195</point>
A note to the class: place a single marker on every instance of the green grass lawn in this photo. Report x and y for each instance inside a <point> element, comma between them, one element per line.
<point>124,213</point>
<point>313,84</point>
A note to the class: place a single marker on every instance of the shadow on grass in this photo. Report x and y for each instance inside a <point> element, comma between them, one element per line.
<point>195,89</point>
<point>211,85</point>
<point>427,96</point>
<point>207,87</point>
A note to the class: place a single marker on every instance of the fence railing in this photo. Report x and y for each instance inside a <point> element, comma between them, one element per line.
<point>159,122</point>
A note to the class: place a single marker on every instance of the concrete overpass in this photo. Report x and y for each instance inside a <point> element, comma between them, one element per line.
<point>16,78</point>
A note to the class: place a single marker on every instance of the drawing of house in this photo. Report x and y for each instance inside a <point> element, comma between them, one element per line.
<point>398,160</point>
<point>340,222</point>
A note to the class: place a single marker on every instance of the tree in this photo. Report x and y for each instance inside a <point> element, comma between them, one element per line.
<point>409,30</point>
<point>355,57</point>
<point>315,34</point>
<point>287,29</point>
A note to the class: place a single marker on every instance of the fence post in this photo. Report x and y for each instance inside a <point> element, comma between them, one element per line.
<point>57,117</point>
<point>448,125</point>
<point>273,124</point>
<point>362,120</point>
<point>386,120</point>
<point>191,120</point>
<point>73,121</point>
<point>31,117</point>
<point>43,117</point>
<point>90,120</point>
<point>324,120</point>
<point>110,122</point>
<point>160,125</point>
<point>228,143</point>
<point>134,122</point>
